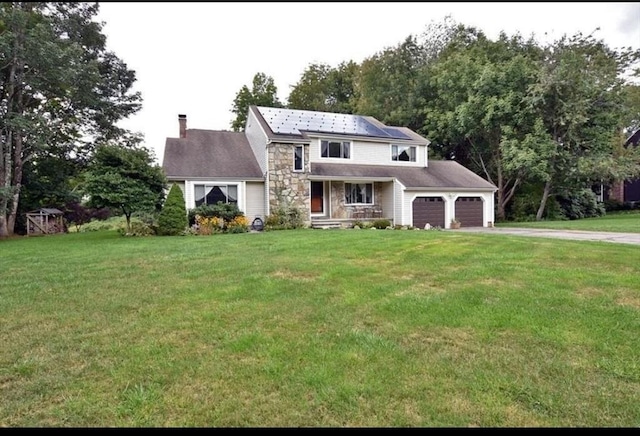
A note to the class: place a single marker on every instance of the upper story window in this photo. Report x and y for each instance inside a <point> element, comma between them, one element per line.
<point>403,153</point>
<point>337,149</point>
<point>212,194</point>
<point>298,158</point>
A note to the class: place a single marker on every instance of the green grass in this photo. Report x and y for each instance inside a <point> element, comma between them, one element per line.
<point>628,221</point>
<point>319,328</point>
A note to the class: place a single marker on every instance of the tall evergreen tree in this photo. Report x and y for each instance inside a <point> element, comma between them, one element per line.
<point>173,218</point>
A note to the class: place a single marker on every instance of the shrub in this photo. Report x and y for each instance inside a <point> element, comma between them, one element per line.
<point>226,211</point>
<point>381,224</point>
<point>239,224</point>
<point>209,225</point>
<point>173,217</point>
<point>581,203</point>
<point>284,217</point>
<point>138,228</point>
<point>112,223</point>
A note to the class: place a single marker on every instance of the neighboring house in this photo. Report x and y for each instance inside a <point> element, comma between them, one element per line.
<point>336,168</point>
<point>627,191</point>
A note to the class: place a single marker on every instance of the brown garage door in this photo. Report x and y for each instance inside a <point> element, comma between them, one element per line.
<point>428,210</point>
<point>469,211</point>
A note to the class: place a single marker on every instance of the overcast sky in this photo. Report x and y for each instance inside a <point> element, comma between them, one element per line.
<point>193,58</point>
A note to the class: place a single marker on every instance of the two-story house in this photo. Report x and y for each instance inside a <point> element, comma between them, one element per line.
<point>334,167</point>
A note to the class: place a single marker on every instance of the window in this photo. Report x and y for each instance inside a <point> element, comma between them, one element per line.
<point>358,193</point>
<point>403,153</point>
<point>298,158</point>
<point>339,149</point>
<point>211,194</point>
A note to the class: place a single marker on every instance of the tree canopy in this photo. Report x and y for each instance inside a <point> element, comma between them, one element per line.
<point>518,113</point>
<point>125,178</point>
<point>263,92</point>
<point>61,90</point>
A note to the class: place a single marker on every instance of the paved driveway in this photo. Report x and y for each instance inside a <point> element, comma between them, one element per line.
<point>621,238</point>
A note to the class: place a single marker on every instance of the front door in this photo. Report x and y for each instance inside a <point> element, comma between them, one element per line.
<point>317,197</point>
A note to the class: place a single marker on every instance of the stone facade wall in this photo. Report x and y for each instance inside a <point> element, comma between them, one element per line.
<point>340,210</point>
<point>288,187</point>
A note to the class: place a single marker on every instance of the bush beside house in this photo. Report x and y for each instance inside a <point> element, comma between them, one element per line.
<point>173,217</point>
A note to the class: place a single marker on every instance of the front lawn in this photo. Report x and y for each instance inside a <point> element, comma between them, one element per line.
<point>318,328</point>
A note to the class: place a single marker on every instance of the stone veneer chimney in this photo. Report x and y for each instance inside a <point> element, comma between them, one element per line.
<point>182,120</point>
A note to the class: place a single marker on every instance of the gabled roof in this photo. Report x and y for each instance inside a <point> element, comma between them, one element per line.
<point>441,174</point>
<point>210,154</point>
<point>290,124</point>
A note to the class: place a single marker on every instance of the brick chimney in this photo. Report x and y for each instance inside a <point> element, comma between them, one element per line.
<point>182,120</point>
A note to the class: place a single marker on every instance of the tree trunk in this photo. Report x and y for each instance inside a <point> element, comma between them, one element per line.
<point>17,178</point>
<point>543,202</point>
<point>5,186</point>
<point>12,147</point>
<point>501,203</point>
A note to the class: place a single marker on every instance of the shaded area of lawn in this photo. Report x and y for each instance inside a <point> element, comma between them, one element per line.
<point>318,328</point>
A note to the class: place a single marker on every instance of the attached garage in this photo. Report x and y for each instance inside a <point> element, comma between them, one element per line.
<point>469,211</point>
<point>428,210</point>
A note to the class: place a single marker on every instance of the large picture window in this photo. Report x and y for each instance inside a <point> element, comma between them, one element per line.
<point>337,149</point>
<point>358,193</point>
<point>298,158</point>
<point>211,194</point>
<point>403,153</point>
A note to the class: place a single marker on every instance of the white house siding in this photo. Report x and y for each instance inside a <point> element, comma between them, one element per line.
<point>367,153</point>
<point>398,190</point>
<point>449,198</point>
<point>255,200</point>
<point>385,199</point>
<point>257,139</point>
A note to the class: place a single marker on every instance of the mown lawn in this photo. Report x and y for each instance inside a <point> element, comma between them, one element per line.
<point>319,328</point>
<point>626,222</point>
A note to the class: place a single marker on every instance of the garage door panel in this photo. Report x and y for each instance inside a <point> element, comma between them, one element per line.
<point>428,210</point>
<point>470,211</point>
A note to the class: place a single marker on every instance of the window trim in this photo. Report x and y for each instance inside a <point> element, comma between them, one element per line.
<point>295,148</point>
<point>359,183</point>
<point>349,149</point>
<point>400,149</point>
<point>214,184</point>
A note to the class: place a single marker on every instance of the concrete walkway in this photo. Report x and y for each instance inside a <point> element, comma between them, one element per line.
<point>621,238</point>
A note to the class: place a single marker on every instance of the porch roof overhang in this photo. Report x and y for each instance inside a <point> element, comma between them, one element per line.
<point>438,175</point>
<point>351,178</point>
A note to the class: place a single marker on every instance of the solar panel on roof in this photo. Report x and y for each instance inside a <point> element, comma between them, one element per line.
<point>293,121</point>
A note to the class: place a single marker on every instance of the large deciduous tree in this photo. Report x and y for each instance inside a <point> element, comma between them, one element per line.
<point>125,178</point>
<point>476,111</point>
<point>388,85</point>
<point>263,92</point>
<point>580,98</point>
<point>326,89</point>
<point>58,85</point>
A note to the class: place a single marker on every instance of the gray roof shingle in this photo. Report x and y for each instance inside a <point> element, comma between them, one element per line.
<point>441,174</point>
<point>210,154</point>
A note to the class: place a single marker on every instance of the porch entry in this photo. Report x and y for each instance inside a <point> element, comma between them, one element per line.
<point>317,197</point>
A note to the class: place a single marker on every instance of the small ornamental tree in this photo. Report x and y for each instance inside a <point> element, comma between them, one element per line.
<point>125,178</point>
<point>173,216</point>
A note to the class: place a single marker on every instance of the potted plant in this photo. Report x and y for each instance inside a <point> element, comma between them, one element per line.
<point>455,224</point>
